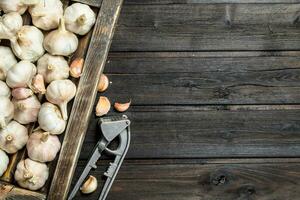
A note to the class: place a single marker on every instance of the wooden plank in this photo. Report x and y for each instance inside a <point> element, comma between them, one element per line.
<point>204,78</point>
<point>209,131</point>
<point>84,100</point>
<point>208,27</point>
<point>203,180</point>
<point>10,192</point>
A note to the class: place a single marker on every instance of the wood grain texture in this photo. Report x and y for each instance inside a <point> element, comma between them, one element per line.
<point>11,192</point>
<point>84,100</point>
<point>208,27</point>
<point>190,179</point>
<point>208,131</point>
<point>198,78</point>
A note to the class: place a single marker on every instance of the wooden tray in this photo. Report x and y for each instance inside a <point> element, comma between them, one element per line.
<point>94,48</point>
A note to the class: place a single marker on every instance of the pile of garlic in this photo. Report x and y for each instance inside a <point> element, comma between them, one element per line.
<point>32,69</point>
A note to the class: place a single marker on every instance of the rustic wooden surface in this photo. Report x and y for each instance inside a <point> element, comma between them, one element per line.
<point>216,106</point>
<point>11,192</point>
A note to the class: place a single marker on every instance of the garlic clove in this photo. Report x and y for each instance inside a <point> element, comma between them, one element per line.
<point>103,106</point>
<point>122,107</point>
<point>4,90</point>
<point>53,68</point>
<point>61,42</point>
<point>60,92</point>
<point>6,111</point>
<point>46,14</point>
<point>38,84</point>
<point>76,67</point>
<point>79,18</point>
<point>31,174</point>
<point>103,83</point>
<point>21,93</point>
<point>50,119</point>
<point>26,110</point>
<point>13,138</point>
<point>4,161</point>
<point>21,74</point>
<point>90,185</point>
<point>7,60</point>
<point>42,146</point>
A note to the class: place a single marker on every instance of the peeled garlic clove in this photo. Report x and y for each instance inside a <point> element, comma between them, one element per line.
<point>21,74</point>
<point>103,106</point>
<point>13,138</point>
<point>28,44</point>
<point>60,92</point>
<point>26,110</point>
<point>7,60</point>
<point>50,119</point>
<point>79,18</point>
<point>4,90</point>
<point>6,111</point>
<point>103,83</point>
<point>38,84</point>
<point>19,6</point>
<point>42,146</point>
<point>53,68</point>
<point>21,93</point>
<point>76,67</point>
<point>122,107</point>
<point>4,160</point>
<point>10,24</point>
<point>31,174</point>
<point>90,185</point>
<point>61,42</point>
<point>46,14</point>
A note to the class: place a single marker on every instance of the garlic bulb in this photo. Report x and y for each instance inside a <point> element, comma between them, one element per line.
<point>61,42</point>
<point>28,43</point>
<point>46,14</point>
<point>42,146</point>
<point>7,60</point>
<point>31,174</point>
<point>60,92</point>
<point>6,111</point>
<point>21,93</point>
<point>21,74</point>
<point>4,160</point>
<point>26,110</point>
<point>103,106</point>
<point>90,185</point>
<point>50,119</point>
<point>79,18</point>
<point>4,90</point>
<point>19,6</point>
<point>14,137</point>
<point>53,68</point>
<point>10,24</point>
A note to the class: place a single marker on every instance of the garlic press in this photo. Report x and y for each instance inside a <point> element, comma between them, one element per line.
<point>111,127</point>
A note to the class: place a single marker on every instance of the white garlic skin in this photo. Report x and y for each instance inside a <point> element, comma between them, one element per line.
<point>6,111</point>
<point>4,161</point>
<point>61,42</point>
<point>7,60</point>
<point>10,24</point>
<point>13,138</point>
<point>50,119</point>
<point>60,92</point>
<point>53,68</point>
<point>21,74</point>
<point>26,110</point>
<point>79,18</point>
<point>46,14</point>
<point>42,146</point>
<point>4,90</point>
<point>28,43</point>
<point>31,174</point>
<point>19,6</point>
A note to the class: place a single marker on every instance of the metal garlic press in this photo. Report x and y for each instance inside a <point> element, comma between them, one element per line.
<point>111,127</point>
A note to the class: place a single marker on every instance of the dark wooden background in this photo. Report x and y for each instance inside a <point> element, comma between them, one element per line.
<point>215,87</point>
